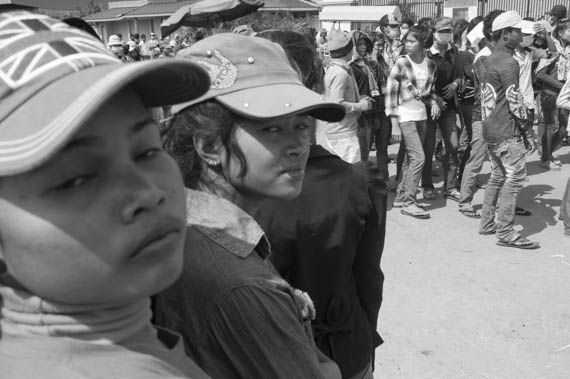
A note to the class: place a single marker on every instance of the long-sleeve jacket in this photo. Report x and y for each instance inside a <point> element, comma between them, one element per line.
<point>547,77</point>
<point>402,85</point>
<point>328,242</point>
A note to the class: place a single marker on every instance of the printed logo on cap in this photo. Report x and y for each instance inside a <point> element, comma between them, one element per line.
<point>222,75</point>
<point>24,56</point>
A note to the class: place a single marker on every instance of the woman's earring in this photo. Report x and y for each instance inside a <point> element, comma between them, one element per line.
<point>214,163</point>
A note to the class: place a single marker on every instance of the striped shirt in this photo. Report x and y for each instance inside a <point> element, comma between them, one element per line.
<point>502,104</point>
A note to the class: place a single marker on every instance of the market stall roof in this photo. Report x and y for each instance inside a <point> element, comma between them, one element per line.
<point>364,13</point>
<point>114,14</point>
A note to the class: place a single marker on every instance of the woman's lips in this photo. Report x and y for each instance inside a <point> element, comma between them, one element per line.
<point>160,238</point>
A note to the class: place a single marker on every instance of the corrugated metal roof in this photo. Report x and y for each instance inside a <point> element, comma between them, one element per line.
<point>290,4</point>
<point>110,14</point>
<point>159,9</point>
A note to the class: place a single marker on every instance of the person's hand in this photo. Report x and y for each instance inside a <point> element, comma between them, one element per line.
<point>365,104</point>
<point>449,90</point>
<point>531,145</point>
<point>435,111</point>
<point>441,104</point>
<point>396,136</point>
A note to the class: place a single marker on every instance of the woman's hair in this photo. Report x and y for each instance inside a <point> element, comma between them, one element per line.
<point>301,53</point>
<point>560,28</point>
<point>408,21</point>
<point>488,23</point>
<point>459,27</point>
<point>210,122</point>
<point>422,34</point>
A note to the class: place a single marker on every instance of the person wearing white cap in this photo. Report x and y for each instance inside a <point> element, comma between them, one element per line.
<point>341,87</point>
<point>504,125</point>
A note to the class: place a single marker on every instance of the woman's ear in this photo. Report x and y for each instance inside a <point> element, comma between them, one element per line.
<point>211,153</point>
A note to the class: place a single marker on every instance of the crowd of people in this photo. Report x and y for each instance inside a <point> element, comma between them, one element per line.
<point>216,214</point>
<point>428,86</point>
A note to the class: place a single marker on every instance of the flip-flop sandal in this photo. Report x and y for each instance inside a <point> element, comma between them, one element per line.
<point>471,213</point>
<point>455,195</point>
<point>421,215</point>
<point>522,212</point>
<point>519,243</point>
<point>429,195</point>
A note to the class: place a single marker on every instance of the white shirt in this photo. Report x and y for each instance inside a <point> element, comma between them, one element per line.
<point>524,59</point>
<point>414,109</point>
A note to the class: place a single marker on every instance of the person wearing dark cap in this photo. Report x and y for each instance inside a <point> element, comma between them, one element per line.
<point>341,87</point>
<point>557,14</point>
<point>92,210</point>
<point>393,47</point>
<point>504,118</point>
<point>244,141</point>
<point>449,77</point>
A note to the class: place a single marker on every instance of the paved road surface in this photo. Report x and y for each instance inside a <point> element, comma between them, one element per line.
<point>457,306</point>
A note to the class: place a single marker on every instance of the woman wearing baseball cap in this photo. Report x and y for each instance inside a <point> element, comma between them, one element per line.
<point>247,139</point>
<point>92,216</point>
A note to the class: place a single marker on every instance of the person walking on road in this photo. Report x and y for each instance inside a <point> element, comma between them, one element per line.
<point>504,124</point>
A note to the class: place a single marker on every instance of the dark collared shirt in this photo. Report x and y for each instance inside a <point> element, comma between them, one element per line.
<point>238,317</point>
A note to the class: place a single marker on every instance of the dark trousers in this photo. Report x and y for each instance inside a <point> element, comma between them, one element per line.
<point>381,135</point>
<point>446,123</point>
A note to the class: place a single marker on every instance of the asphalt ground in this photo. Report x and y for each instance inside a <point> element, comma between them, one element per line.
<point>456,305</point>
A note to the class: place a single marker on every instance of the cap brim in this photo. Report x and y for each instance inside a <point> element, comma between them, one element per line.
<point>42,124</point>
<point>277,100</point>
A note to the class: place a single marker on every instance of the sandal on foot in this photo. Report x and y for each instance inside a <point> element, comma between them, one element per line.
<point>522,212</point>
<point>414,211</point>
<point>429,195</point>
<point>453,195</point>
<point>519,243</point>
<point>471,213</point>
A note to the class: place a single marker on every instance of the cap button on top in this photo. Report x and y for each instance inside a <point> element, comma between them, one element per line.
<point>209,53</point>
<point>251,60</point>
<point>246,105</point>
<point>287,105</point>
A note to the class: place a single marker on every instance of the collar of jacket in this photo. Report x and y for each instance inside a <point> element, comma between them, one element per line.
<point>434,50</point>
<point>225,223</point>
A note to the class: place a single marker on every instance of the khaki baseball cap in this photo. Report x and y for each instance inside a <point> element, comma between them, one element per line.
<point>252,77</point>
<point>54,77</point>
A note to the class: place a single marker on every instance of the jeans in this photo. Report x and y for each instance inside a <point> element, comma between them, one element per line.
<point>463,151</point>
<point>508,173</point>
<point>382,139</point>
<point>473,166</point>
<point>413,136</point>
<point>365,124</point>
<point>565,209</point>
<point>448,128</point>
<point>348,148</point>
<point>555,125</point>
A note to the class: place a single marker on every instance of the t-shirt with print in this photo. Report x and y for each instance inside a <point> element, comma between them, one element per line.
<point>415,109</point>
<point>478,63</point>
<point>502,104</point>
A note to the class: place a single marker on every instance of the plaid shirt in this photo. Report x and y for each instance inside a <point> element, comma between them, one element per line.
<point>402,85</point>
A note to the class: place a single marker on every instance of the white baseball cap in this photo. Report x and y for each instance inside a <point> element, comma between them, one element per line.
<point>510,19</point>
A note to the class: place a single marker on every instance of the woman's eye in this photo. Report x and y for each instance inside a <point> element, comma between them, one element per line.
<point>75,182</point>
<point>272,129</point>
<point>303,126</point>
<point>150,153</point>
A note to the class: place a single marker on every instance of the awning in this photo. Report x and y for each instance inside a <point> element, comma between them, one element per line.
<point>364,13</point>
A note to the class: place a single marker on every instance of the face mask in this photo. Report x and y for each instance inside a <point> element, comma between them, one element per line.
<point>443,37</point>
<point>527,41</point>
<point>392,33</point>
